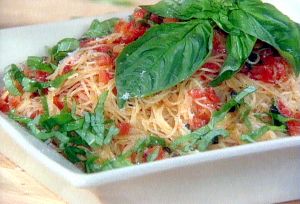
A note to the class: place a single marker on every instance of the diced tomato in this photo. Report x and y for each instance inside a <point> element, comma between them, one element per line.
<point>294,125</point>
<point>103,48</point>
<point>59,104</point>
<point>208,93</point>
<point>14,101</point>
<point>67,69</point>
<point>36,74</point>
<point>156,19</point>
<point>149,151</point>
<point>86,42</point>
<point>170,20</point>
<point>41,76</point>
<point>202,115</point>
<point>264,53</point>
<point>215,69</point>
<point>104,60</point>
<point>140,14</point>
<point>124,128</point>
<point>200,119</point>
<point>35,114</point>
<point>4,106</point>
<point>115,91</point>
<point>219,42</point>
<point>272,70</point>
<point>105,76</point>
<point>283,109</point>
<point>130,31</point>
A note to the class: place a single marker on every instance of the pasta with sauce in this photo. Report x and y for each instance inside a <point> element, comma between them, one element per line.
<point>164,116</point>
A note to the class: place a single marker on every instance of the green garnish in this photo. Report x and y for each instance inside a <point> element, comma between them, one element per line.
<point>99,29</point>
<point>253,136</point>
<point>37,63</point>
<point>62,48</point>
<point>170,53</point>
<point>203,137</point>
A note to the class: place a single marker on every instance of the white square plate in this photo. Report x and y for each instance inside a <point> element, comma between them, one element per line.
<point>265,172</point>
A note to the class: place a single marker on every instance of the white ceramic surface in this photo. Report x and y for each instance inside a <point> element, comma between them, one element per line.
<point>265,172</point>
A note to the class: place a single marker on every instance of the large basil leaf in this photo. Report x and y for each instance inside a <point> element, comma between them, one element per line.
<point>166,55</point>
<point>266,23</point>
<point>100,29</point>
<point>239,47</point>
<point>181,9</point>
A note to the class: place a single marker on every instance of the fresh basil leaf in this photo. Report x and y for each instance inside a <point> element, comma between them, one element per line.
<point>166,55</point>
<point>57,120</point>
<point>209,137</point>
<point>74,153</point>
<point>100,29</point>
<point>149,141</point>
<point>12,73</point>
<point>208,132</point>
<point>239,47</point>
<point>58,81</point>
<point>45,105</point>
<point>115,163</point>
<point>268,24</point>
<point>112,132</point>
<point>238,99</point>
<point>154,155</point>
<point>256,134</point>
<point>184,10</point>
<point>63,47</point>
<point>75,125</point>
<point>37,63</point>
<point>244,112</point>
<point>91,165</point>
<point>24,120</point>
<point>190,9</point>
<point>97,120</point>
<point>30,85</point>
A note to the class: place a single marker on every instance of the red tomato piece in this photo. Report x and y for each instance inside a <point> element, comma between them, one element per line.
<point>219,42</point>
<point>150,150</point>
<point>283,109</point>
<point>67,69</point>
<point>104,60</point>
<point>201,115</point>
<point>59,104</point>
<point>35,114</point>
<point>103,48</point>
<point>272,70</point>
<point>86,42</point>
<point>41,76</point>
<point>170,20</point>
<point>115,91</point>
<point>140,14</point>
<point>105,76</point>
<point>200,119</point>
<point>36,74</point>
<point>4,106</point>
<point>14,101</point>
<point>209,93</point>
<point>294,125</point>
<point>124,128</point>
<point>131,31</point>
<point>156,19</point>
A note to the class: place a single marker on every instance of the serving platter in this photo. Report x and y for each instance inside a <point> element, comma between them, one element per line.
<point>264,172</point>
